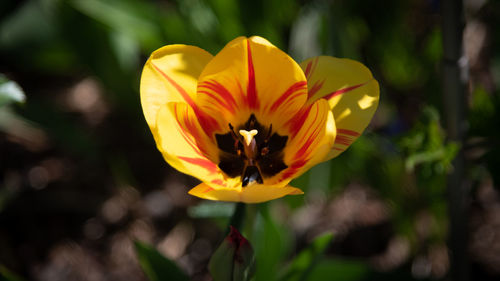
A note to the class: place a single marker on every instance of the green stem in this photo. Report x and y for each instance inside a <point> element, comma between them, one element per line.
<point>250,220</point>
<point>237,218</point>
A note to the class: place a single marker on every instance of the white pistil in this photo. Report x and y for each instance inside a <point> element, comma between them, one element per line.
<point>248,136</point>
<point>250,145</point>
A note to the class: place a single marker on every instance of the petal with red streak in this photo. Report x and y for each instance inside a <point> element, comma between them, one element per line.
<point>250,75</point>
<point>170,75</point>
<point>184,144</point>
<point>312,135</point>
<point>351,91</point>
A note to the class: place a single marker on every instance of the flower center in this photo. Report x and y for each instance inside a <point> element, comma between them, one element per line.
<point>255,154</point>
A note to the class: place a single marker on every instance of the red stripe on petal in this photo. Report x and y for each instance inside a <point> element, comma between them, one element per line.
<point>315,64</point>
<point>311,66</point>
<point>301,153</point>
<point>291,99</point>
<point>208,189</point>
<point>227,101</point>
<point>302,156</point>
<point>193,130</point>
<point>348,132</point>
<point>223,92</point>
<point>297,86</point>
<point>292,170</point>
<point>179,89</point>
<point>218,101</point>
<point>251,88</point>
<point>315,88</point>
<point>342,91</point>
<point>344,140</point>
<point>188,136</point>
<point>219,182</point>
<point>298,120</point>
<point>204,163</point>
<point>208,123</point>
<point>308,69</point>
<point>311,136</point>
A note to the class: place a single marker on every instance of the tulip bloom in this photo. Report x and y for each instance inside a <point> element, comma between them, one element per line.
<point>250,119</point>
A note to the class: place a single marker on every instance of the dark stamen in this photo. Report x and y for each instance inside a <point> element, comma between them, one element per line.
<point>233,134</point>
<point>269,133</point>
<point>236,139</point>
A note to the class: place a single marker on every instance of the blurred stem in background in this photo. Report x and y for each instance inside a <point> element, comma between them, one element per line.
<point>454,101</point>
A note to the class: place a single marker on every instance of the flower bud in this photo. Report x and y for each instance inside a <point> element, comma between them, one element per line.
<point>233,260</point>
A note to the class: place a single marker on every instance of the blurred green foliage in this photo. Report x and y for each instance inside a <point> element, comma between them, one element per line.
<point>156,266</point>
<point>7,275</point>
<point>342,270</point>
<point>307,259</point>
<point>272,243</point>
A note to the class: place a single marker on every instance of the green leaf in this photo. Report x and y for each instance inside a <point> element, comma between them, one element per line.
<point>10,91</point>
<point>339,270</point>
<point>271,242</point>
<point>7,275</point>
<point>307,259</point>
<point>156,266</point>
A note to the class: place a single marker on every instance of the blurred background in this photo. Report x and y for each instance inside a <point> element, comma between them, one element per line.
<point>81,178</point>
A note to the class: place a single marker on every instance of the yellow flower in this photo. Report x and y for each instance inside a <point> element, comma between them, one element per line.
<point>250,119</point>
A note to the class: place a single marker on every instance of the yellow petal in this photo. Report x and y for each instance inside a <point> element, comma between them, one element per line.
<point>184,144</point>
<point>250,75</point>
<point>170,75</point>
<point>312,135</point>
<point>256,193</point>
<point>351,91</point>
